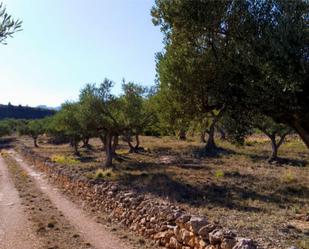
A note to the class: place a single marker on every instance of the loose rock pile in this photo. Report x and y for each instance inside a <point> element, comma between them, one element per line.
<point>169,225</point>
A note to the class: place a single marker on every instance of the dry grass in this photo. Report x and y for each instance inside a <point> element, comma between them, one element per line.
<point>235,187</point>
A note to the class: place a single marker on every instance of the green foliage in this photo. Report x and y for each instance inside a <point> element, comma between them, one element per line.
<point>8,26</point>
<point>219,174</point>
<point>67,160</point>
<point>5,129</point>
<point>104,108</point>
<point>231,52</point>
<point>137,114</point>
<point>269,127</point>
<point>66,121</point>
<point>288,177</point>
<point>32,128</point>
<point>12,125</point>
<point>98,113</point>
<point>237,125</point>
<point>104,173</point>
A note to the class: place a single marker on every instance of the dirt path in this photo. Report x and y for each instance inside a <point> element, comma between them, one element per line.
<point>15,230</point>
<point>88,228</point>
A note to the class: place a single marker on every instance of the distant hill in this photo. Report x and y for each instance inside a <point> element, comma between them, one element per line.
<point>24,112</point>
<point>58,108</point>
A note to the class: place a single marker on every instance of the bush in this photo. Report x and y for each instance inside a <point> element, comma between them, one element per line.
<point>104,173</point>
<point>64,159</point>
<point>219,174</point>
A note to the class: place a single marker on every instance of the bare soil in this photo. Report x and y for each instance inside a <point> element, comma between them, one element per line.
<point>15,228</point>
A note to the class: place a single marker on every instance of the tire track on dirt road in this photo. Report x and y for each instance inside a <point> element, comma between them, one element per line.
<point>15,229</point>
<point>90,230</point>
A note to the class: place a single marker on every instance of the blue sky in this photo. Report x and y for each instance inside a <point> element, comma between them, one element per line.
<point>67,43</point>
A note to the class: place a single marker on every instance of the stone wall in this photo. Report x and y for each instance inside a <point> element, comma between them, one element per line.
<point>169,225</point>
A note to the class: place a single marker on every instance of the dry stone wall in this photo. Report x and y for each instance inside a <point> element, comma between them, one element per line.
<point>169,225</point>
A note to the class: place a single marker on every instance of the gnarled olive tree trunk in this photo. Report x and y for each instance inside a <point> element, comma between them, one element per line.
<point>275,145</point>
<point>108,149</point>
<point>301,126</point>
<point>202,136</point>
<point>103,140</point>
<point>211,145</point>
<point>115,143</point>
<point>182,135</point>
<point>35,141</point>
<point>85,142</point>
<point>133,148</point>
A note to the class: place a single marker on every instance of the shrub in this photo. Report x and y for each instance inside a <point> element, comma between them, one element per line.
<point>219,173</point>
<point>104,173</point>
<point>288,176</point>
<point>64,159</point>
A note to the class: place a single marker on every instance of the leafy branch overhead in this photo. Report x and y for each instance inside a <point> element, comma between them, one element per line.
<point>8,25</point>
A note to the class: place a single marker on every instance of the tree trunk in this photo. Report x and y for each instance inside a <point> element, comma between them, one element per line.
<point>302,128</point>
<point>222,134</point>
<point>182,135</point>
<point>85,142</point>
<point>137,141</point>
<point>202,137</point>
<point>211,145</point>
<point>275,146</point>
<point>115,143</point>
<point>132,148</point>
<point>103,140</point>
<point>75,146</point>
<point>108,150</point>
<point>35,142</point>
<point>274,149</point>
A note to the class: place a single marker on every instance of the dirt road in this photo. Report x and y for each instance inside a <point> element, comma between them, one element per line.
<point>54,219</point>
<point>15,230</point>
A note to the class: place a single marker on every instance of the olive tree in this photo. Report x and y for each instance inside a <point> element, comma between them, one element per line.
<point>105,111</point>
<point>5,129</point>
<point>251,56</point>
<point>274,131</point>
<point>66,122</point>
<point>33,128</point>
<point>136,114</point>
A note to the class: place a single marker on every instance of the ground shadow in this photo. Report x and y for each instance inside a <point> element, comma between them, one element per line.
<point>216,152</point>
<point>212,195</point>
<point>292,162</point>
<point>7,142</point>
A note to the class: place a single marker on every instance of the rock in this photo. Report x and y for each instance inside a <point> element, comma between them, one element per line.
<point>228,243</point>
<point>201,244</point>
<point>174,244</point>
<point>205,230</point>
<point>182,219</point>
<point>243,243</point>
<point>196,223</point>
<point>166,234</point>
<point>216,236</point>
<point>210,247</point>
<point>185,236</point>
<point>292,247</point>
<point>191,242</point>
